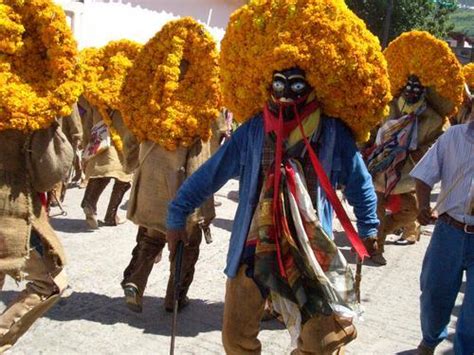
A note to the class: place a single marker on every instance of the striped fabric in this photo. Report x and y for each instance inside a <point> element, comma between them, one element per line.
<point>451,161</point>
<point>394,139</point>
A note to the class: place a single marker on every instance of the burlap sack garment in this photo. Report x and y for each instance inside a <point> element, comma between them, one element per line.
<point>107,163</point>
<point>158,178</point>
<point>20,207</point>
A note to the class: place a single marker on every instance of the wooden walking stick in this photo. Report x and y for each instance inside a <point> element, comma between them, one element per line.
<point>358,278</point>
<point>59,204</point>
<point>177,289</point>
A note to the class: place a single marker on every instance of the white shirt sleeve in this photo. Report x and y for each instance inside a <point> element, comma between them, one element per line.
<point>429,167</point>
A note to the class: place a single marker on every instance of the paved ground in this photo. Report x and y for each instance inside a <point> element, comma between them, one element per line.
<point>94,319</point>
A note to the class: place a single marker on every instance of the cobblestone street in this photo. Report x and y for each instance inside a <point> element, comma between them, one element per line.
<point>95,320</point>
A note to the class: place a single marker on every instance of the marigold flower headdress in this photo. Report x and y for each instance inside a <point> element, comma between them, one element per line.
<point>171,95</point>
<point>343,61</point>
<point>468,72</point>
<point>432,61</point>
<point>103,73</point>
<point>39,78</point>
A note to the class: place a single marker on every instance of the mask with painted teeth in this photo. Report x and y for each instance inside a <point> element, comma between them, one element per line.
<point>413,91</point>
<point>289,87</point>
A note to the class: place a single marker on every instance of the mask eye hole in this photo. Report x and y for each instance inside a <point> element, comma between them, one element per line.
<point>408,87</point>
<point>298,86</point>
<point>278,86</point>
<point>416,89</point>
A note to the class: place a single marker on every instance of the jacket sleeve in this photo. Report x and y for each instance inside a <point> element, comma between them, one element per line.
<point>358,187</point>
<point>210,177</point>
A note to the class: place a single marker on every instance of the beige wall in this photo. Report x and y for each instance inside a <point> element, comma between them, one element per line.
<point>96,22</point>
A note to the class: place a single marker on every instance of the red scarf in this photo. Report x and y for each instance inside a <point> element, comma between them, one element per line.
<point>282,129</point>
<point>271,121</point>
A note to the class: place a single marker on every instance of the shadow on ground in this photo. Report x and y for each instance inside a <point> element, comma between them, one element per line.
<point>70,225</point>
<point>408,352</point>
<point>233,195</point>
<point>222,223</point>
<point>199,317</point>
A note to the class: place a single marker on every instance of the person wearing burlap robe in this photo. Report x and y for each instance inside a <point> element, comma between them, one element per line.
<point>158,177</point>
<point>29,248</point>
<point>105,166</point>
<point>72,129</point>
<point>428,126</point>
<point>220,130</point>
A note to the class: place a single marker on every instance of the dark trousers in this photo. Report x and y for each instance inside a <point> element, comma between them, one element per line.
<point>150,243</point>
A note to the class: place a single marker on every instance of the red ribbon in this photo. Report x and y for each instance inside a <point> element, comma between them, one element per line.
<point>276,191</point>
<point>282,129</point>
<point>351,233</point>
<point>44,199</point>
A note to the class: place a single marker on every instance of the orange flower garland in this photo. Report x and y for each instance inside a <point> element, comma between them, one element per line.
<point>104,72</point>
<point>468,72</point>
<point>171,95</point>
<point>11,30</point>
<point>343,61</point>
<point>39,79</point>
<point>431,60</point>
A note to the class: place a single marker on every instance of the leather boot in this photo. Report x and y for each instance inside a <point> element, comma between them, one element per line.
<point>377,256</point>
<point>190,258</point>
<point>94,189</point>
<point>424,349</point>
<point>41,293</point>
<point>136,274</point>
<point>119,190</point>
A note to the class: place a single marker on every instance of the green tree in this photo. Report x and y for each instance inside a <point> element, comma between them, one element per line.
<point>428,15</point>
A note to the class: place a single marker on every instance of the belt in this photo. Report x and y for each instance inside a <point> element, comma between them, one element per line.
<point>446,218</point>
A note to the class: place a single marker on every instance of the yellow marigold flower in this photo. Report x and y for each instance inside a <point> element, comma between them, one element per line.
<point>103,73</point>
<point>11,30</point>
<point>343,61</point>
<point>468,72</point>
<point>39,78</point>
<point>171,94</point>
<point>431,60</point>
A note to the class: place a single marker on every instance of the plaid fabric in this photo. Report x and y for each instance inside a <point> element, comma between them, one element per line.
<point>268,156</point>
<point>317,278</point>
<point>394,139</point>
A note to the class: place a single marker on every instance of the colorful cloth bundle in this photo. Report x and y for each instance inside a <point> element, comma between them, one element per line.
<point>316,278</point>
<point>394,140</point>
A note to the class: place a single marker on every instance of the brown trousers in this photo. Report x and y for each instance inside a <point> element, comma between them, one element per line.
<point>405,218</point>
<point>45,284</point>
<point>150,244</point>
<point>243,310</point>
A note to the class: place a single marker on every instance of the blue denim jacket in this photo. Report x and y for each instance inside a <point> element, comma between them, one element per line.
<point>241,157</point>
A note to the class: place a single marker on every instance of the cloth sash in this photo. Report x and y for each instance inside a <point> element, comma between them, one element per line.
<point>317,278</point>
<point>394,140</point>
<point>294,258</point>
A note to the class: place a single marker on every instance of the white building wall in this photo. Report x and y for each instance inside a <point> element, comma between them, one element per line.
<point>96,22</point>
<point>199,9</point>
